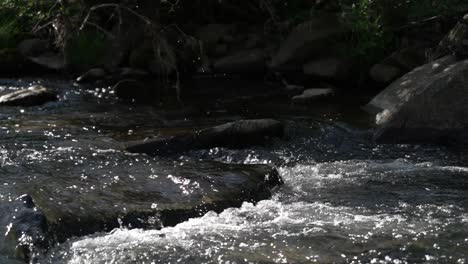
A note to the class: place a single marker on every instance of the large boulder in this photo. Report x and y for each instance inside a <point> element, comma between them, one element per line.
<point>425,105</point>
<point>397,64</point>
<point>171,196</point>
<point>34,95</point>
<point>248,61</point>
<point>309,39</point>
<point>455,42</point>
<point>237,134</point>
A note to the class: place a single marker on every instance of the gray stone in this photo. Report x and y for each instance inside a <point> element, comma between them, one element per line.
<point>397,64</point>
<point>310,39</point>
<point>310,95</point>
<point>237,134</point>
<point>50,61</point>
<point>242,62</point>
<point>330,68</point>
<point>455,42</point>
<point>425,105</point>
<point>171,196</point>
<point>34,95</point>
<point>92,75</point>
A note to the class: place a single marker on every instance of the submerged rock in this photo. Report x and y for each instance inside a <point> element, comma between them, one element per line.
<point>149,201</point>
<point>34,95</point>
<point>237,134</point>
<point>425,105</point>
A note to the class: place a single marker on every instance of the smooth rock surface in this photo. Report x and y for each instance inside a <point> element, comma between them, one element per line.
<point>425,105</point>
<point>455,42</point>
<point>34,95</point>
<point>92,75</point>
<point>330,68</point>
<point>310,95</point>
<point>170,196</point>
<point>307,40</point>
<point>237,134</point>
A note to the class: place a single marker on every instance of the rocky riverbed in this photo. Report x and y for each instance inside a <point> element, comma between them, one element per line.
<point>324,191</point>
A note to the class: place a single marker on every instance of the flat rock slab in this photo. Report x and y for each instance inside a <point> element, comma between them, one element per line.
<point>310,95</point>
<point>35,95</point>
<point>237,134</point>
<point>168,197</point>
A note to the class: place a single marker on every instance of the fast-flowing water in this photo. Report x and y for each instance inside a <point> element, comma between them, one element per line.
<point>345,199</point>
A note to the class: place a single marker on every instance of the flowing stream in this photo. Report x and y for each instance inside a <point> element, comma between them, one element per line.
<point>345,199</point>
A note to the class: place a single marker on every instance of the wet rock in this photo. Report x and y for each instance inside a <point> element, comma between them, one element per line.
<point>425,105</point>
<point>135,91</point>
<point>33,47</point>
<point>329,68</point>
<point>310,39</point>
<point>237,134</point>
<point>398,63</point>
<point>28,229</point>
<point>242,62</point>
<point>311,95</point>
<point>35,95</point>
<point>92,75</point>
<point>144,201</point>
<point>131,73</point>
<point>49,61</point>
<point>455,42</point>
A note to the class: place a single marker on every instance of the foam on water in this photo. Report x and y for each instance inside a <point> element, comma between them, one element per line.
<point>345,198</point>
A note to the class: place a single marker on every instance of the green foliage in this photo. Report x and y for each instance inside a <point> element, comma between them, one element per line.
<point>18,17</point>
<point>369,38</point>
<point>9,33</point>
